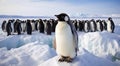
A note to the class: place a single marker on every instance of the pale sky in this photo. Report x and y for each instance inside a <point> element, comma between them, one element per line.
<point>52,7</point>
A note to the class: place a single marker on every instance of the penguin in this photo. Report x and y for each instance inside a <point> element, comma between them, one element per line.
<point>80,26</point>
<point>92,25</point>
<point>23,26</point>
<point>66,39</point>
<point>48,28</point>
<point>41,26</point>
<point>8,28</point>
<point>29,27</point>
<point>36,25</point>
<point>18,28</point>
<point>33,24</point>
<point>75,24</point>
<point>99,25</point>
<point>4,26</point>
<point>110,25</point>
<point>52,21</point>
<point>86,26</point>
<point>15,29</point>
<point>104,24</point>
<point>12,25</point>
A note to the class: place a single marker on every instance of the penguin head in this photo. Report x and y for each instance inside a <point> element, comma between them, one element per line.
<point>109,18</point>
<point>63,17</point>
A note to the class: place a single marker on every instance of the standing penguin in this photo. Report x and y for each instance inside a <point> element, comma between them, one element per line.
<point>48,28</point>
<point>75,24</point>
<point>92,25</point>
<point>41,26</point>
<point>8,28</point>
<point>104,24</point>
<point>80,25</point>
<point>66,39</point>
<point>110,25</point>
<point>23,26</point>
<point>4,26</point>
<point>15,23</point>
<point>86,26</point>
<point>52,24</point>
<point>99,25</point>
<point>29,27</point>
<point>18,28</point>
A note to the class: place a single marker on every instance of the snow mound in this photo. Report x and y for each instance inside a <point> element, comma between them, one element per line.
<point>15,41</point>
<point>31,54</point>
<point>84,58</point>
<point>100,43</point>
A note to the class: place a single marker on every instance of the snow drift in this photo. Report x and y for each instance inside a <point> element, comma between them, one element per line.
<point>84,58</point>
<point>31,54</point>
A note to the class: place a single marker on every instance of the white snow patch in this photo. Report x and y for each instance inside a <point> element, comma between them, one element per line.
<point>31,54</point>
<point>83,59</point>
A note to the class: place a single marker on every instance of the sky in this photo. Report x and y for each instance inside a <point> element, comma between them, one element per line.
<point>52,7</point>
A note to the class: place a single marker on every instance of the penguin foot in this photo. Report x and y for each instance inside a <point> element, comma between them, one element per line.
<point>69,60</point>
<point>61,59</point>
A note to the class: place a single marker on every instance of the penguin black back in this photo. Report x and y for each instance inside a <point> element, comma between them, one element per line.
<point>4,25</point>
<point>18,28</point>
<point>29,27</point>
<point>41,26</point>
<point>48,28</point>
<point>8,28</point>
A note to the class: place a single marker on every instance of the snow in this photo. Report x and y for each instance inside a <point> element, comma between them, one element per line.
<point>15,41</point>
<point>30,54</point>
<point>95,49</point>
<point>100,43</point>
<point>83,59</point>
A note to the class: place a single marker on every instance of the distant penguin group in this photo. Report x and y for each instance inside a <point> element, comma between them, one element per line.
<point>94,25</point>
<point>17,26</point>
<point>13,26</point>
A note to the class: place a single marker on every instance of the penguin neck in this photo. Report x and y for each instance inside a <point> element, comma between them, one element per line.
<point>62,25</point>
<point>62,22</point>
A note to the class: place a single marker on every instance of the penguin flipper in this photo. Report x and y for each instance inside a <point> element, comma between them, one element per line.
<point>75,36</point>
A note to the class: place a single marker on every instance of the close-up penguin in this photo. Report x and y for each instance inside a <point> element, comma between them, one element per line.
<point>66,39</point>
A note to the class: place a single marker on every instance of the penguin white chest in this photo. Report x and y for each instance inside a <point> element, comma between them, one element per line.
<point>92,26</point>
<point>109,26</point>
<point>64,40</point>
<point>12,26</point>
<point>86,27</point>
<point>98,26</point>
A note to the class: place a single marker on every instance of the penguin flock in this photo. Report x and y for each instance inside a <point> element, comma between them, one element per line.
<point>19,27</point>
<point>13,26</point>
<point>94,25</point>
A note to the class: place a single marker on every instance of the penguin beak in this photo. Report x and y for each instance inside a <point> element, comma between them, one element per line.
<point>56,15</point>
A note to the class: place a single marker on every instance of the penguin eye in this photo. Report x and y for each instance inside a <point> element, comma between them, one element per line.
<point>66,18</point>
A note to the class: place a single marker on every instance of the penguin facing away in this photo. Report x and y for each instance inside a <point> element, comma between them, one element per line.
<point>66,39</point>
<point>4,25</point>
<point>48,28</point>
<point>29,27</point>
